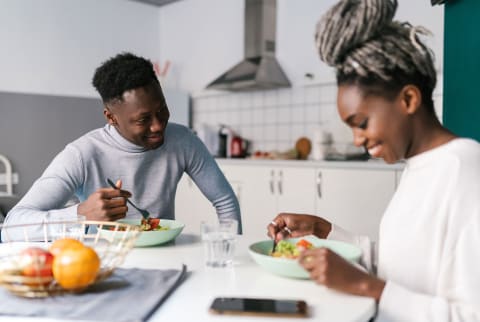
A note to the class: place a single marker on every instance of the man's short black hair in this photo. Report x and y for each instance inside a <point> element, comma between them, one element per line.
<point>121,73</point>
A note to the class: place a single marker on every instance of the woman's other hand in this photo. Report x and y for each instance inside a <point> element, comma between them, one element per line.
<point>330,269</point>
<point>296,225</point>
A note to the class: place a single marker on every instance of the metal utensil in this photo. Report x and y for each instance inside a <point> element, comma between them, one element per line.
<point>274,245</point>
<point>144,212</point>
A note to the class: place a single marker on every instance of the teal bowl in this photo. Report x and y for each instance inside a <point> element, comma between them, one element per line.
<point>260,253</point>
<point>154,237</point>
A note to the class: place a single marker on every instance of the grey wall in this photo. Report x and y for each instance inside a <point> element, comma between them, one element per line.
<point>34,128</point>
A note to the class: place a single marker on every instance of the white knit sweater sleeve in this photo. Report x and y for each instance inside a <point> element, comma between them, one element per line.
<point>46,199</point>
<point>368,247</point>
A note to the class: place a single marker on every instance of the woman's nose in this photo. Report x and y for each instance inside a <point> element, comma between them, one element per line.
<point>358,137</point>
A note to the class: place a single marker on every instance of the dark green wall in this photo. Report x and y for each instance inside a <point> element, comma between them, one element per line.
<point>461,102</point>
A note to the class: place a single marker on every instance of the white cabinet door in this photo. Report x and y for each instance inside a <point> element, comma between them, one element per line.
<point>257,200</point>
<point>354,199</point>
<point>265,191</point>
<point>295,190</point>
<point>191,206</point>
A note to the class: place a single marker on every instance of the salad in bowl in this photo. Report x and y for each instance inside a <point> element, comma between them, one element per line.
<point>287,249</point>
<point>283,260</point>
<point>153,231</point>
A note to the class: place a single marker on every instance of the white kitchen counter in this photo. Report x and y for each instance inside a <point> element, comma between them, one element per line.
<point>370,164</point>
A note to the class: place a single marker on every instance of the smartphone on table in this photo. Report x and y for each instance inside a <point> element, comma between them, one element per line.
<point>259,306</point>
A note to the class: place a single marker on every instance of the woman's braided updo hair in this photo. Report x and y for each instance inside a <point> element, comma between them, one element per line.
<point>360,39</point>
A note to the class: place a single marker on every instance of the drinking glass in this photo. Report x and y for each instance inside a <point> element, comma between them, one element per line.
<point>76,229</point>
<point>219,242</point>
<point>67,228</point>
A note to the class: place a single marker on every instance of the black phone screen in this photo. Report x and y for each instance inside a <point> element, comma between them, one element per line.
<point>232,305</point>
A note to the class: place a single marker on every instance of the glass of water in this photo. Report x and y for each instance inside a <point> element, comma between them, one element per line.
<point>219,242</point>
<point>66,227</point>
<point>76,229</point>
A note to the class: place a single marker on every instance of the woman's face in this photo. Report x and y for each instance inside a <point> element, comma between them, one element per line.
<point>380,125</point>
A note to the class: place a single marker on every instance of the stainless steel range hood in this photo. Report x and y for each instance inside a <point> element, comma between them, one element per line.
<point>260,69</point>
<point>157,3</point>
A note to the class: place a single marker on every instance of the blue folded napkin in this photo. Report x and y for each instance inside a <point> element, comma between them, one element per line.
<point>127,295</point>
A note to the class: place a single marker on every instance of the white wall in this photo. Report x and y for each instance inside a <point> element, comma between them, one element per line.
<point>202,39</point>
<point>54,46</point>
<point>205,38</point>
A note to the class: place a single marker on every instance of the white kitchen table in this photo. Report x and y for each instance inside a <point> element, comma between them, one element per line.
<point>192,298</point>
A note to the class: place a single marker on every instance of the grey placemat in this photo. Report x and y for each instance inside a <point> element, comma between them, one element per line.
<point>128,295</point>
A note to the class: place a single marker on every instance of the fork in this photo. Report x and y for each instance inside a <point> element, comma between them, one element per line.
<point>274,245</point>
<point>144,212</point>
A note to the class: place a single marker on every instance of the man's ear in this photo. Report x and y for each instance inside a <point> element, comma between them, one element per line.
<point>411,99</point>
<point>109,116</point>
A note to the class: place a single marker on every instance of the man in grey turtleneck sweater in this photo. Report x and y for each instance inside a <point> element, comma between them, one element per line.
<point>138,148</point>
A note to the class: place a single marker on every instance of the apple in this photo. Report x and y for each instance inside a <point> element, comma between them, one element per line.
<point>36,262</point>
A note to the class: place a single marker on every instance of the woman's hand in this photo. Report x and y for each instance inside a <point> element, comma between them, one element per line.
<point>329,269</point>
<point>105,204</point>
<point>296,225</point>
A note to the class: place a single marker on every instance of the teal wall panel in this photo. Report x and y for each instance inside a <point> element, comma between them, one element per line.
<point>461,101</point>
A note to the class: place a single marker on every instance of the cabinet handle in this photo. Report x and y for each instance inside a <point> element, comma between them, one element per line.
<point>272,179</point>
<point>319,184</point>
<point>280,180</point>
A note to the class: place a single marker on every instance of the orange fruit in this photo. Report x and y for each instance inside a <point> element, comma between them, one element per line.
<point>61,244</point>
<point>75,268</point>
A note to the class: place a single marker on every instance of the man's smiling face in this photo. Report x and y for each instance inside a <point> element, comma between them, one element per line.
<point>141,116</point>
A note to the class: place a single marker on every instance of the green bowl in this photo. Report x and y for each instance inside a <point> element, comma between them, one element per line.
<point>154,237</point>
<point>260,253</point>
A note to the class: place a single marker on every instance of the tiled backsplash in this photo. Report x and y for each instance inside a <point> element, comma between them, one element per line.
<point>275,119</point>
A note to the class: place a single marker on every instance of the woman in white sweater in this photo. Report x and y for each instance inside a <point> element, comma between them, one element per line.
<point>429,242</point>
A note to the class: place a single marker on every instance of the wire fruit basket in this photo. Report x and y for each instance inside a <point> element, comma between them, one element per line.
<point>16,239</point>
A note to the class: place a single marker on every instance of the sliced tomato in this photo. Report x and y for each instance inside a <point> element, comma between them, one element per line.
<point>304,243</point>
<point>154,223</point>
